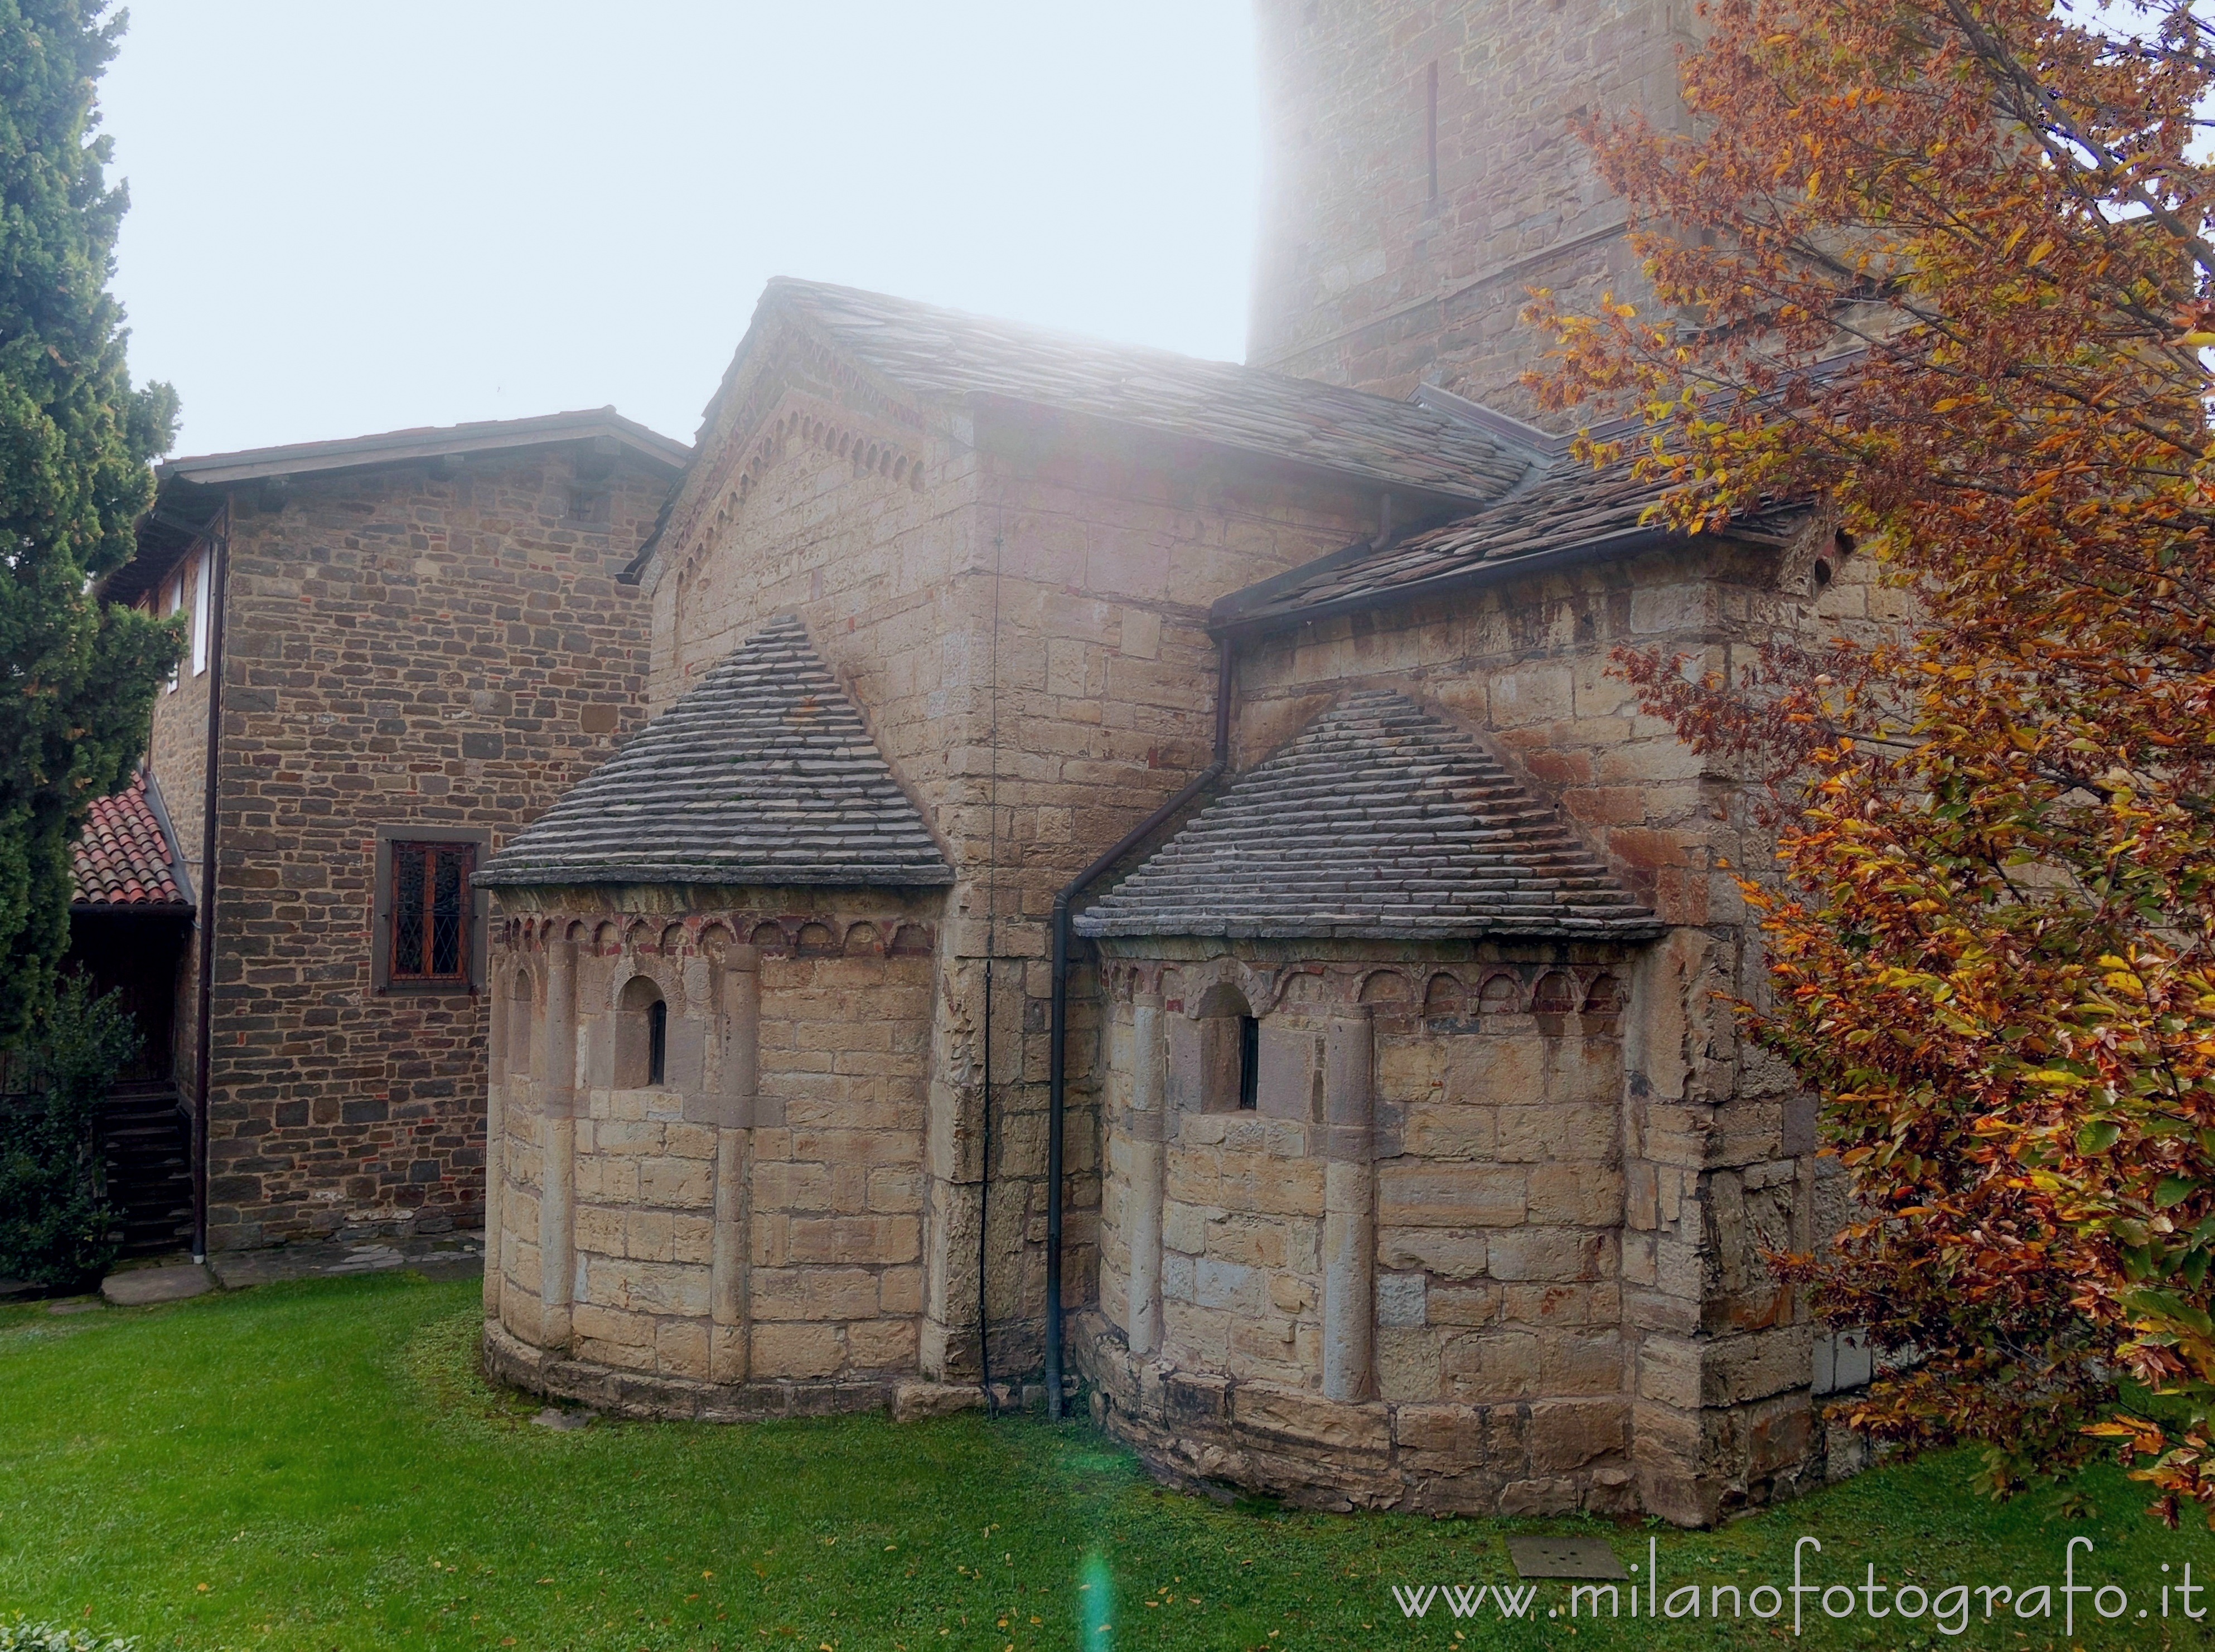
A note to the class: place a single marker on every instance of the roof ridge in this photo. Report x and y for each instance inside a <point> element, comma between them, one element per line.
<point>940,352</point>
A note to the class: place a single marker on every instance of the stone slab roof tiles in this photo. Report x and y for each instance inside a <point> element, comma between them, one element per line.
<point>762,773</point>
<point>124,858</point>
<point>1571,507</point>
<point>1377,820</point>
<point>944,353</point>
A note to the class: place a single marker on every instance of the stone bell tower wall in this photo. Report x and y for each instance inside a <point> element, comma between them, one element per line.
<point>1422,177</point>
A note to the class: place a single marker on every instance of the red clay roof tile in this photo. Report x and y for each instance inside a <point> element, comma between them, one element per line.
<point>123,857</point>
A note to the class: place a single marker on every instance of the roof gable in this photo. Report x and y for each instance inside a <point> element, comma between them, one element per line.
<point>1377,821</point>
<point>944,353</point>
<point>762,773</point>
<point>910,364</point>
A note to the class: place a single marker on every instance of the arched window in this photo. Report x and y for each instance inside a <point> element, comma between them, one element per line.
<point>641,1035</point>
<point>522,1021</point>
<point>1229,1052</point>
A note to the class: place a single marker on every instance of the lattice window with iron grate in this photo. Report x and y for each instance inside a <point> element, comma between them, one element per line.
<point>430,912</point>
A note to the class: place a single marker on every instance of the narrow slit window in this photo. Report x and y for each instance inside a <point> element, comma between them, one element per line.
<point>1249,1064</point>
<point>1430,127</point>
<point>641,1035</point>
<point>430,910</point>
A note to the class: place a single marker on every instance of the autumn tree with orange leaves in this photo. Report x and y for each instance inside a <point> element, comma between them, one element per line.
<point>1944,266</point>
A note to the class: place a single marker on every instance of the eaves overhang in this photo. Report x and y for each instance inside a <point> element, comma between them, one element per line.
<point>190,492</point>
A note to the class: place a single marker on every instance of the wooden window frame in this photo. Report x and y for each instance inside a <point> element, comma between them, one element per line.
<point>477,910</point>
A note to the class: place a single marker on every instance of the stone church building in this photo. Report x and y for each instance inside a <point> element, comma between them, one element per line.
<point>1137,869</point>
<point>1015,860</point>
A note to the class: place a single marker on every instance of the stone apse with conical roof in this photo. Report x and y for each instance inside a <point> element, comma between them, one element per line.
<point>1411,1159</point>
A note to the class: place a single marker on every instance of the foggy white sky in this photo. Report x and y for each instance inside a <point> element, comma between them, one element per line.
<point>355,218</point>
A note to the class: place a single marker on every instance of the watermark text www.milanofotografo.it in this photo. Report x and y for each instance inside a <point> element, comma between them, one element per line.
<point>2074,1596</point>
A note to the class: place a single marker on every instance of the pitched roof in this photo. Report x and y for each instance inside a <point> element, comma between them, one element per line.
<point>1377,820</point>
<point>1573,509</point>
<point>762,773</point>
<point>429,442</point>
<point>1561,508</point>
<point>945,353</point>
<point>192,489</point>
<point>124,857</point>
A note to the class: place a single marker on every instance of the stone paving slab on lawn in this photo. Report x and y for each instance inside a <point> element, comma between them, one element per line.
<point>457,1255</point>
<point>141,1287</point>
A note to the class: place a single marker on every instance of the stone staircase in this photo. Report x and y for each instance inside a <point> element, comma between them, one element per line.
<point>146,1137</point>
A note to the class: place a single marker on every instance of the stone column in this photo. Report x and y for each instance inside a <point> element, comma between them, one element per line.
<point>1142,1202</point>
<point>496,1012</point>
<point>1349,1230</point>
<point>738,1014</point>
<point>557,1199</point>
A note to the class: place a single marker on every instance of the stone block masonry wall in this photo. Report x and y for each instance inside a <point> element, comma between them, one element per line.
<point>1483,1368</point>
<point>1716,1157</point>
<point>933,554</point>
<point>402,648</point>
<point>1093,619</point>
<point>743,1236</point>
<point>1381,268</point>
<point>1528,666</point>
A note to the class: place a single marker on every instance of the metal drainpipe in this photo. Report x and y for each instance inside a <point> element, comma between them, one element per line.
<point>1057,1062</point>
<point>218,594</point>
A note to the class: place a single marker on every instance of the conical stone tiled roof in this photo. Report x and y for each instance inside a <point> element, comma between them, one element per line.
<point>1377,820</point>
<point>763,774</point>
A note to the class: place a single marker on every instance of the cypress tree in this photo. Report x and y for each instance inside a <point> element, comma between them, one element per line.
<point>78,674</point>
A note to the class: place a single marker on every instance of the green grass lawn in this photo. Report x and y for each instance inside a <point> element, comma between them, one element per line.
<point>319,1466</point>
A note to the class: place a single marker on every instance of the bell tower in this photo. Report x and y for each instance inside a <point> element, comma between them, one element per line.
<point>1421,176</point>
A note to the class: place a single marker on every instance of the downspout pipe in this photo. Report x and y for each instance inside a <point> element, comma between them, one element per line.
<point>1057,1035</point>
<point>219,595</point>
